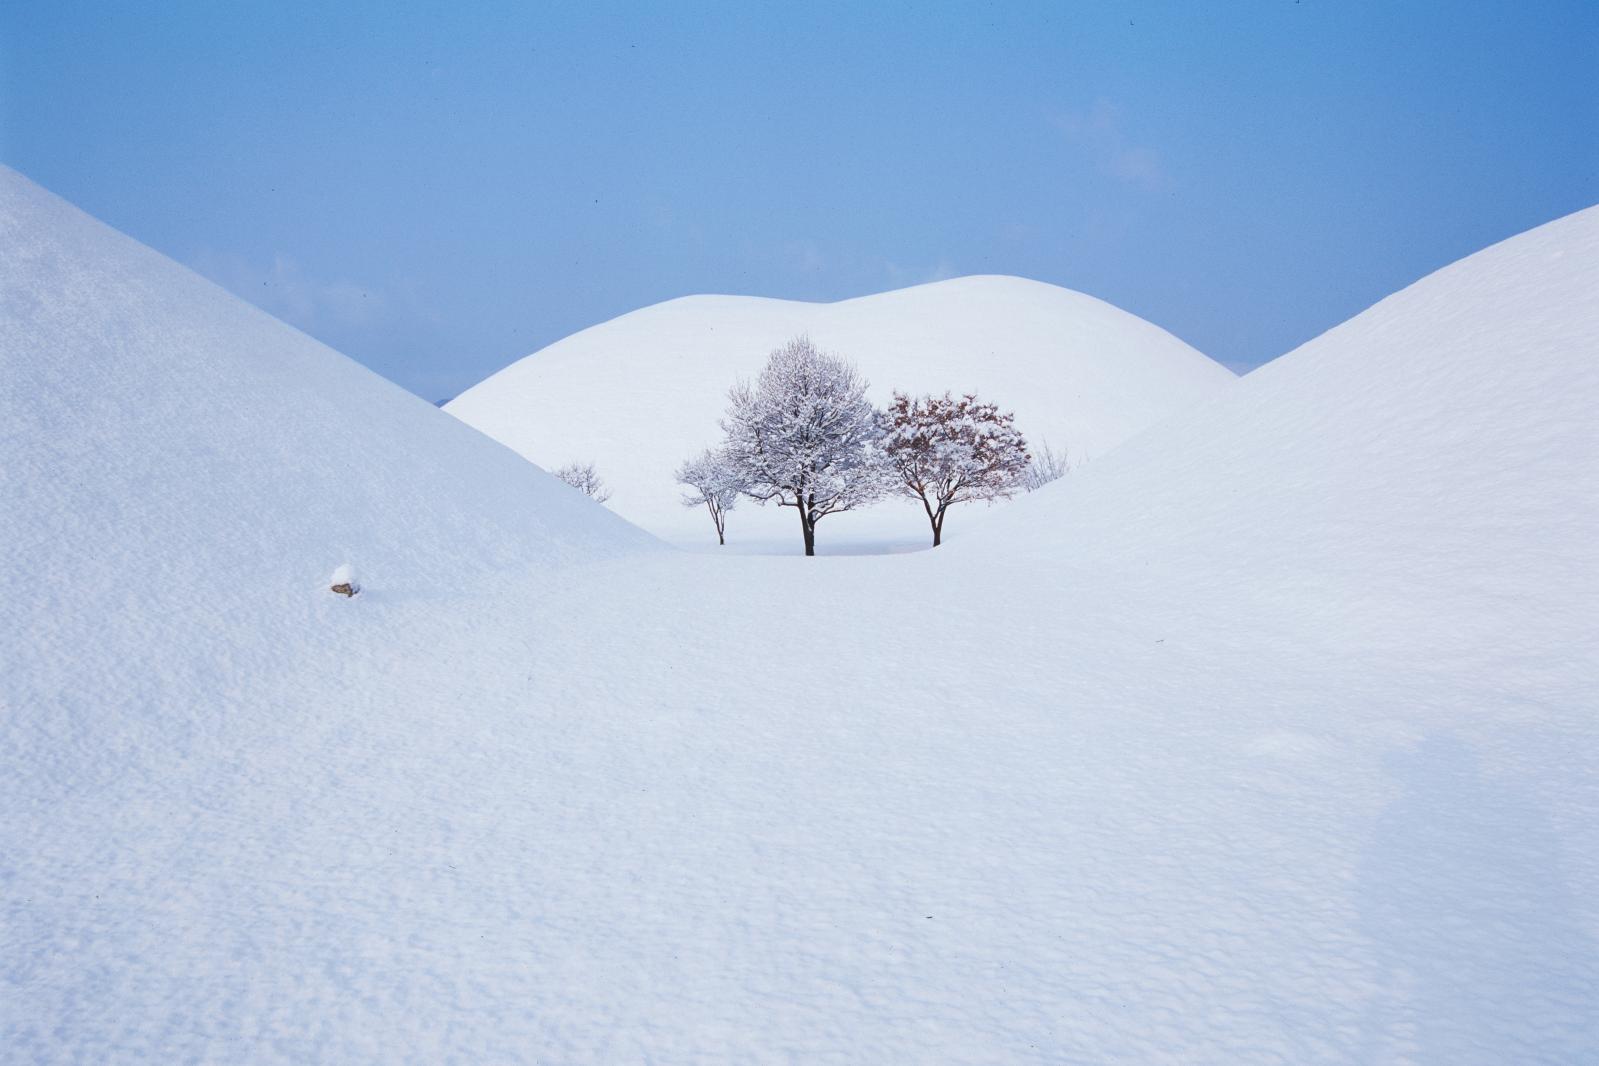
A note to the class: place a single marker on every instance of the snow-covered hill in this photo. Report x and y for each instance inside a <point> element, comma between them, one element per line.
<point>183,472</point>
<point>1445,439</point>
<point>1269,737</point>
<point>641,393</point>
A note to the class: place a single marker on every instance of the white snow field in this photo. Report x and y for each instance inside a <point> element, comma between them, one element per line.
<point>1268,737</point>
<point>641,393</point>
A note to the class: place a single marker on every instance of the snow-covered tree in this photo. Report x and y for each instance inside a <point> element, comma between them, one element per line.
<point>585,479</point>
<point>1047,465</point>
<point>805,435</point>
<point>946,450</point>
<point>713,485</point>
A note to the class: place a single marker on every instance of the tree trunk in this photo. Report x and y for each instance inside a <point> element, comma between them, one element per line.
<point>938,528</point>
<point>933,520</point>
<point>807,528</point>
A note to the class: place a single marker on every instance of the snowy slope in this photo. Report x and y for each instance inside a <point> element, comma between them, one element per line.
<point>639,394</point>
<point>158,390</point>
<point>181,470</point>
<point>1445,437</point>
<point>1268,738</point>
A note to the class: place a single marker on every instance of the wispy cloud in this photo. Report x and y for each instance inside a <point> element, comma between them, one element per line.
<point>284,290</point>
<point>1099,133</point>
<point>903,276</point>
<point>806,256</point>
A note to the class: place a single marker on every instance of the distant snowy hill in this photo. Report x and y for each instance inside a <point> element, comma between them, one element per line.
<point>1268,737</point>
<point>639,394</point>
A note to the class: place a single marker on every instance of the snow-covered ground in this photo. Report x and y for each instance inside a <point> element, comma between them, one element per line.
<point>1268,737</point>
<point>643,392</point>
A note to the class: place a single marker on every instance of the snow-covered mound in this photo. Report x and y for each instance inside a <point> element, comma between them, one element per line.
<point>641,393</point>
<point>1443,443</point>
<point>182,472</point>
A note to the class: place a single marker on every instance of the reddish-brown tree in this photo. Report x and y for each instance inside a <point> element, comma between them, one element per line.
<point>946,450</point>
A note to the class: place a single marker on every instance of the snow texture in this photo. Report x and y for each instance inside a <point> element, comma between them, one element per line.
<point>1269,737</point>
<point>642,393</point>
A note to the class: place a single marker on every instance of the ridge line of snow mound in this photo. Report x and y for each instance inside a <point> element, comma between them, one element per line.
<point>644,391</point>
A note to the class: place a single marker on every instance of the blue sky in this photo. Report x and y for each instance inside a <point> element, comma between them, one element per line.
<point>440,189</point>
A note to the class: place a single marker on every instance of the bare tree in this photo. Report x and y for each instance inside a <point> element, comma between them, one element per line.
<point>946,451</point>
<point>585,479</point>
<point>713,485</point>
<point>804,434</point>
<point>1047,465</point>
